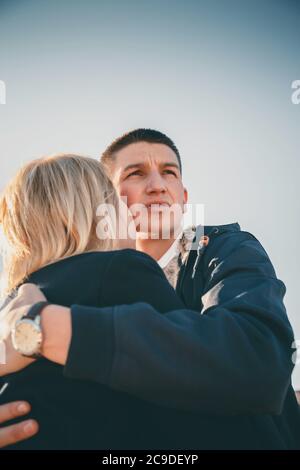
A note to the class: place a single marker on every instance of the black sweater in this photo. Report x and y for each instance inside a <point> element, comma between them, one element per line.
<point>75,413</point>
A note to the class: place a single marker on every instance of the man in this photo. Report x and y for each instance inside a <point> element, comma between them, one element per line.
<point>220,369</point>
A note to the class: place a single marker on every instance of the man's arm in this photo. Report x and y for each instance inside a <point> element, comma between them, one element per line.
<point>234,358</point>
<point>16,432</point>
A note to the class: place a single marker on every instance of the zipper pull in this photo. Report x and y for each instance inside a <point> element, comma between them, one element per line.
<point>203,242</point>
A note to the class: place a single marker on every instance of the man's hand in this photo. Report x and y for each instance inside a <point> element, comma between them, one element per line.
<point>28,294</point>
<point>56,328</point>
<point>14,361</point>
<point>15,432</point>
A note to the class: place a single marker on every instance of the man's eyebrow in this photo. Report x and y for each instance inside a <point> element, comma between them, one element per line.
<point>133,165</point>
<point>142,164</point>
<point>173,164</point>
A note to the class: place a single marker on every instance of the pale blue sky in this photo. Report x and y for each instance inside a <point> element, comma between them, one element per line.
<point>214,75</point>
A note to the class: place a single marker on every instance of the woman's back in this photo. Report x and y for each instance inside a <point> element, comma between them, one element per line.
<point>77,414</point>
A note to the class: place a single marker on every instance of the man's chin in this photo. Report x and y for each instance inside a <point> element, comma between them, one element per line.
<point>157,234</point>
<point>162,225</point>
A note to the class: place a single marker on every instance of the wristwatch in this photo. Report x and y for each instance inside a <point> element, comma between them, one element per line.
<point>27,334</point>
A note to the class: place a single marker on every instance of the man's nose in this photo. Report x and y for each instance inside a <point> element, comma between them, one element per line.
<point>155,183</point>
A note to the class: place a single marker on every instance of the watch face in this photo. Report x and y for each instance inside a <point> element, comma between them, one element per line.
<point>27,337</point>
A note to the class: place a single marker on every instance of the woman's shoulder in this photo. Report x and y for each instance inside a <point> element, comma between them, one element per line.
<point>93,261</point>
<point>107,255</point>
<point>105,258</point>
<point>131,253</point>
<point>133,257</point>
<point>77,259</point>
<point>130,262</point>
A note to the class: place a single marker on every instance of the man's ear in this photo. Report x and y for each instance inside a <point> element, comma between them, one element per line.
<point>185,198</point>
<point>185,195</point>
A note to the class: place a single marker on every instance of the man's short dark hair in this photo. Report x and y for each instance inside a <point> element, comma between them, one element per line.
<point>138,135</point>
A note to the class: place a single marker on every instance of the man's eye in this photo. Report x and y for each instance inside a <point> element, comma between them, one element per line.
<point>137,172</point>
<point>171,172</point>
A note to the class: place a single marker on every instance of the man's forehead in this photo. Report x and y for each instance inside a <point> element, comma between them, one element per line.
<point>145,153</point>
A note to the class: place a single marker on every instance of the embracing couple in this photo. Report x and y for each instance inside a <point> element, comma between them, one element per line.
<point>142,341</point>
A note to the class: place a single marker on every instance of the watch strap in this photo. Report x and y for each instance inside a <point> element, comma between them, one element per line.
<point>36,309</point>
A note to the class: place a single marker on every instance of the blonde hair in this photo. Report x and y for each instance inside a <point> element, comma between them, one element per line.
<point>48,212</point>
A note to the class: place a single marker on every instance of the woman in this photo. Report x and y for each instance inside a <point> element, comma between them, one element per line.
<point>54,239</point>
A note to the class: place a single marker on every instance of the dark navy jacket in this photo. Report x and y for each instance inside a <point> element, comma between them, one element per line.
<point>220,368</point>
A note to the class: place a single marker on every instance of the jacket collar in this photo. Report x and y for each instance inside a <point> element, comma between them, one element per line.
<point>191,240</point>
<point>233,227</point>
<point>192,236</point>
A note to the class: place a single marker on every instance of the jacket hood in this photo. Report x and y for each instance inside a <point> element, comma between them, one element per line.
<point>210,229</point>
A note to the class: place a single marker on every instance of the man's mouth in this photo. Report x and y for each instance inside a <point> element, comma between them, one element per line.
<point>157,208</point>
<point>156,205</point>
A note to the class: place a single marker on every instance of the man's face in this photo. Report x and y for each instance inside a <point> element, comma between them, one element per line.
<point>147,173</point>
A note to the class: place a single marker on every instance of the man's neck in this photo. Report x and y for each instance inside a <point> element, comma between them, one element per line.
<point>154,248</point>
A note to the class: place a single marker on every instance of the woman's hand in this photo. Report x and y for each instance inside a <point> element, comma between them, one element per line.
<point>14,361</point>
<point>15,432</point>
<point>28,294</point>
